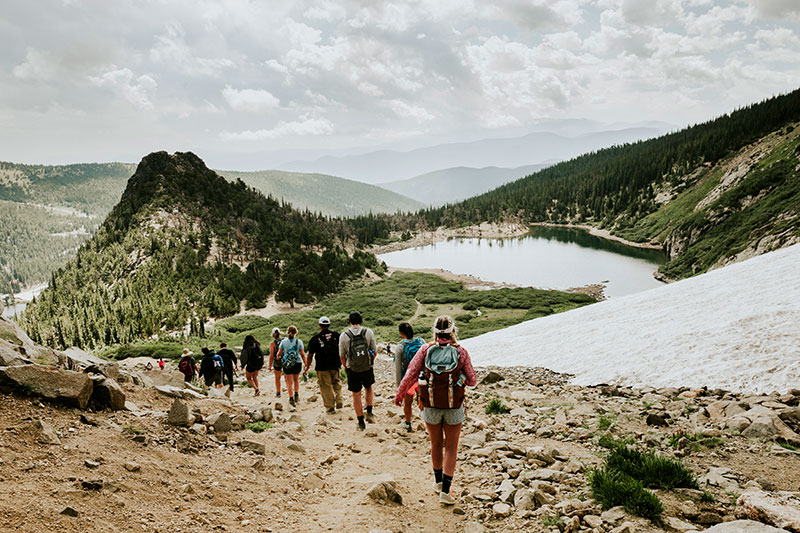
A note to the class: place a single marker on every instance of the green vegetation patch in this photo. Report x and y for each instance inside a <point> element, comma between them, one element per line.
<point>496,407</point>
<point>611,488</point>
<point>258,427</point>
<point>653,471</point>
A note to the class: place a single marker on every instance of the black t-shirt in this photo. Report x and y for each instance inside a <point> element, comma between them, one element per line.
<point>324,346</point>
<point>229,357</point>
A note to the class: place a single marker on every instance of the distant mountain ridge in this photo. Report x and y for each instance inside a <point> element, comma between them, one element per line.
<point>458,183</point>
<point>385,166</point>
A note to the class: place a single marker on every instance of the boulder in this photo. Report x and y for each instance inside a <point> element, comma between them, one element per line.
<point>179,414</point>
<point>14,335</point>
<point>9,356</point>
<point>385,492</point>
<point>766,424</point>
<point>221,422</point>
<point>42,431</point>
<point>107,393</point>
<point>524,500</point>
<point>77,359</point>
<point>743,526</point>
<point>253,446</point>
<point>492,377</point>
<point>779,509</point>
<point>656,420</point>
<point>501,510</point>
<point>70,388</point>
<point>791,417</point>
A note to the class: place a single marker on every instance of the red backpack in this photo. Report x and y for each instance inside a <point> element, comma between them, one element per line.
<point>443,384</point>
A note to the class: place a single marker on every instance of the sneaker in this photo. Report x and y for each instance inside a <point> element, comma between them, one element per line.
<point>369,418</point>
<point>258,393</point>
<point>339,405</point>
<point>437,487</point>
<point>291,402</point>
<point>296,397</point>
<point>408,427</point>
<point>361,425</point>
<point>446,499</point>
<point>278,394</point>
<point>331,411</point>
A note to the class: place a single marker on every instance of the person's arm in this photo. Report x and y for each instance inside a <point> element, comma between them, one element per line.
<point>472,377</point>
<point>271,355</point>
<point>344,347</point>
<point>399,351</point>
<point>371,343</point>
<point>303,357</point>
<point>312,347</point>
<point>412,373</point>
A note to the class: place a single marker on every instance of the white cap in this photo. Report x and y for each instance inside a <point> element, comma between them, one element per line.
<point>324,321</point>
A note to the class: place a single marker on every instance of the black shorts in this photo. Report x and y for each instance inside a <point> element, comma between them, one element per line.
<point>215,378</point>
<point>294,369</point>
<point>252,369</point>
<point>357,380</point>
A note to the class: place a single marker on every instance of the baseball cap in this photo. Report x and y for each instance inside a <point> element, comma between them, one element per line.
<point>324,321</point>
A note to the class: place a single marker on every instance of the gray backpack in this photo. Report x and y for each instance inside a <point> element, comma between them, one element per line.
<point>359,359</point>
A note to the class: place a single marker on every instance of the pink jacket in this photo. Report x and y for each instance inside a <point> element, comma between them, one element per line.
<point>418,362</point>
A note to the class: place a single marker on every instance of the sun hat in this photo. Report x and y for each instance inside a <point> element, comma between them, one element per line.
<point>324,321</point>
<point>276,330</point>
<point>186,351</point>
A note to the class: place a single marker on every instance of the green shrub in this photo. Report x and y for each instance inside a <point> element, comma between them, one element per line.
<point>311,374</point>
<point>496,407</point>
<point>607,441</point>
<point>258,427</point>
<point>604,423</point>
<point>611,488</point>
<point>239,324</point>
<point>653,471</point>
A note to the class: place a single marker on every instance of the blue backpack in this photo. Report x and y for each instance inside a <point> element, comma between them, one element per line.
<point>291,355</point>
<point>410,349</point>
<point>218,362</point>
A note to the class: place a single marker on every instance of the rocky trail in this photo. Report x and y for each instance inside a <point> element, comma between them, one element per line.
<point>173,459</point>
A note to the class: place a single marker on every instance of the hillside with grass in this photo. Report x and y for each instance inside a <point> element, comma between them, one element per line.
<point>321,193</point>
<point>182,245</point>
<point>711,194</point>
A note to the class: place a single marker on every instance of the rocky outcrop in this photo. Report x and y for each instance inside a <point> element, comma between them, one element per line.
<point>107,393</point>
<point>73,389</point>
<point>744,526</point>
<point>77,359</point>
<point>780,509</point>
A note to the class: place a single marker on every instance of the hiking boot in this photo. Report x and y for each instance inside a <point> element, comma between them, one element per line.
<point>408,427</point>
<point>278,394</point>
<point>446,499</point>
<point>291,402</point>
<point>331,411</point>
<point>361,425</point>
<point>369,418</point>
<point>437,487</point>
<point>339,405</point>
<point>296,397</point>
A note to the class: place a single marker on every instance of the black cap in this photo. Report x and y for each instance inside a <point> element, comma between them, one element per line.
<point>355,318</point>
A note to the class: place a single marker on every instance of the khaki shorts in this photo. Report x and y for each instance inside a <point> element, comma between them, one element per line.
<point>451,417</point>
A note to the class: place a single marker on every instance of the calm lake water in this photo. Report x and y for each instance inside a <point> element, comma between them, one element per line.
<point>554,258</point>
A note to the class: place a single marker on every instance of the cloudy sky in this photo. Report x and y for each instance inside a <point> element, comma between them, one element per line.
<point>244,83</point>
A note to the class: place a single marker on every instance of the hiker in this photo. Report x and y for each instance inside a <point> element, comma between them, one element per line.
<point>274,362</point>
<point>404,352</point>
<point>357,350</point>
<point>161,364</point>
<point>252,361</point>
<point>442,369</point>
<point>211,366</point>
<point>293,359</point>
<point>231,365</point>
<point>325,346</point>
<point>148,366</point>
<point>187,366</point>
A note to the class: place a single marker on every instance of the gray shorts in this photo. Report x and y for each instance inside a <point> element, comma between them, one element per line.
<point>451,417</point>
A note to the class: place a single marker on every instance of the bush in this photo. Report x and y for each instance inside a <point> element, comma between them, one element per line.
<point>654,471</point>
<point>238,324</point>
<point>611,488</point>
<point>258,427</point>
<point>496,407</point>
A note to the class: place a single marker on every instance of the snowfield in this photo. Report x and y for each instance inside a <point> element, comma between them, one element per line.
<point>736,328</point>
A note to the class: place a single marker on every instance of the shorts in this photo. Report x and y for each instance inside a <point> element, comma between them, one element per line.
<point>451,417</point>
<point>293,370</point>
<point>357,380</point>
<point>215,378</point>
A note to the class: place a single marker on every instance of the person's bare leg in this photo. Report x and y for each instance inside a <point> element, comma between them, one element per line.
<point>296,379</point>
<point>289,384</point>
<point>437,441</point>
<point>357,403</point>
<point>255,380</point>
<point>277,381</point>
<point>369,396</point>
<point>408,401</point>
<point>452,434</point>
<point>249,377</point>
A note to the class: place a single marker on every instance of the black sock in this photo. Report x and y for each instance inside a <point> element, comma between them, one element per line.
<point>360,419</point>
<point>369,409</point>
<point>437,475</point>
<point>446,480</point>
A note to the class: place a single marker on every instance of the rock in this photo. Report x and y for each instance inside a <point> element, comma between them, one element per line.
<point>791,417</point>
<point>542,498</point>
<point>501,510</point>
<point>254,446</point>
<point>179,414</point>
<point>540,454</point>
<point>743,526</point>
<point>91,464</point>
<point>626,527</point>
<point>9,356</point>
<point>255,415</point>
<point>708,518</point>
<point>721,477</point>
<point>492,377</point>
<point>221,422</point>
<point>266,414</point>
<point>524,500</point>
<point>474,527</point>
<point>296,447</point>
<point>593,521</point>
<point>313,482</point>
<point>458,510</point>
<point>779,509</point>
<point>259,465</point>
<point>656,420</point>
<point>81,360</point>
<point>613,515</point>
<point>14,337</point>
<point>506,490</point>
<point>70,388</point>
<point>88,420</point>
<point>385,492</point>
<point>42,431</point>
<point>69,511</point>
<point>679,525</point>
<point>574,524</point>
<point>545,474</point>
<point>132,467</point>
<point>765,423</point>
<point>107,393</point>
<point>94,484</point>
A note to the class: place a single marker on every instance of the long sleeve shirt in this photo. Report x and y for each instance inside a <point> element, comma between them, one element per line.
<point>418,362</point>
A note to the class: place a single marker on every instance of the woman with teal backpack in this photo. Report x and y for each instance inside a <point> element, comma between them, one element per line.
<point>293,358</point>
<point>404,352</point>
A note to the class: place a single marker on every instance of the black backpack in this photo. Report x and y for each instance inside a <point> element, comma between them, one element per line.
<point>255,358</point>
<point>276,363</point>
<point>359,359</point>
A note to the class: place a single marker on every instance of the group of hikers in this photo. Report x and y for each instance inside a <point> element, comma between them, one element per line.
<point>436,374</point>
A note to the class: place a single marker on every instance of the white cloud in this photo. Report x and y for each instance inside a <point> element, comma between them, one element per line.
<point>305,126</point>
<point>120,81</point>
<point>172,50</point>
<point>326,10</point>
<point>405,110</point>
<point>777,8</point>
<point>254,100</point>
<point>38,66</point>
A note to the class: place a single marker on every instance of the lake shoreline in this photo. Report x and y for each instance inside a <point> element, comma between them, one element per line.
<point>602,233</point>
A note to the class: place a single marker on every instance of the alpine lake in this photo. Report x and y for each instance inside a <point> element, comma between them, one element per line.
<point>546,257</point>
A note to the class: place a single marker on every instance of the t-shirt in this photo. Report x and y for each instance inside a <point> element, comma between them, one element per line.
<point>288,344</point>
<point>229,357</point>
<point>324,346</point>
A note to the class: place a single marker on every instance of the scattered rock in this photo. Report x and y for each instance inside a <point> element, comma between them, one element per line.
<point>95,484</point>
<point>259,465</point>
<point>221,422</point>
<point>679,525</point>
<point>254,446</point>
<point>656,420</point>
<point>779,509</point>
<point>91,464</point>
<point>593,521</point>
<point>501,510</point>
<point>69,511</point>
<point>708,518</point>
<point>492,377</point>
<point>296,447</point>
<point>385,492</point>
<point>132,467</point>
<point>88,420</point>
<point>613,515</point>
<point>524,500</point>
<point>721,477</point>
<point>70,388</point>
<point>474,527</point>
<point>743,526</point>
<point>179,414</point>
<point>42,431</point>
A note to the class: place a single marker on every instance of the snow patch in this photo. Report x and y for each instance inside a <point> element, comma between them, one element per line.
<point>736,328</point>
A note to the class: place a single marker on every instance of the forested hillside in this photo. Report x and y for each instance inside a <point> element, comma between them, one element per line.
<point>711,193</point>
<point>328,195</point>
<point>184,244</point>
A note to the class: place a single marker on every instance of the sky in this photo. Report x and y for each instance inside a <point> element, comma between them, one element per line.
<point>254,83</point>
